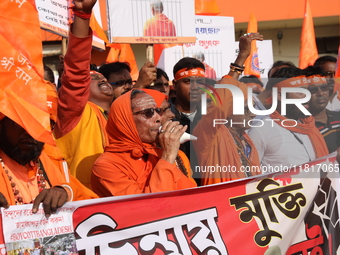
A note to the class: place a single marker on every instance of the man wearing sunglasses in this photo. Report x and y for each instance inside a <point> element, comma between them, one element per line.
<point>328,66</point>
<point>84,102</point>
<point>290,139</point>
<point>119,77</point>
<point>325,120</point>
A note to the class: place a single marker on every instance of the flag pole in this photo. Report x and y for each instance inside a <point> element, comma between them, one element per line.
<point>150,55</point>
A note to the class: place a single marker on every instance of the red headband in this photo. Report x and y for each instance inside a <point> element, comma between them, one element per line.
<point>316,80</point>
<point>292,82</point>
<point>183,73</point>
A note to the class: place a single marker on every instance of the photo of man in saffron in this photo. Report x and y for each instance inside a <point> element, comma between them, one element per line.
<point>159,24</point>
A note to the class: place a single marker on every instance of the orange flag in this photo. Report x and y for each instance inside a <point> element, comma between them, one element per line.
<point>23,95</point>
<point>97,29</point>
<point>308,50</point>
<point>206,7</point>
<point>125,55</point>
<point>113,55</point>
<point>252,62</point>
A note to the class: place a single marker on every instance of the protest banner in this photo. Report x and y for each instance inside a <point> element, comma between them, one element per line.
<point>151,22</point>
<point>54,16</point>
<point>294,211</point>
<point>213,46</point>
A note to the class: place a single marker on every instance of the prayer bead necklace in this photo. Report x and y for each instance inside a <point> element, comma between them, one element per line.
<point>40,180</point>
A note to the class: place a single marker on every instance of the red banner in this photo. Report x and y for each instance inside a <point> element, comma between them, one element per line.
<point>296,212</point>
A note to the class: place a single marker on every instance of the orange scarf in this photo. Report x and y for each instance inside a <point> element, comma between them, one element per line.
<point>122,130</point>
<point>307,127</point>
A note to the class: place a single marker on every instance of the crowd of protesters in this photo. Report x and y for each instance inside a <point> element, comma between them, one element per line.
<point>116,136</point>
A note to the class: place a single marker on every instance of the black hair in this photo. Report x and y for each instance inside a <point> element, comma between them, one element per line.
<point>280,63</point>
<point>187,63</point>
<point>161,73</point>
<point>93,67</point>
<point>313,70</point>
<point>251,79</point>
<point>283,74</point>
<point>48,74</point>
<point>114,67</point>
<point>321,60</point>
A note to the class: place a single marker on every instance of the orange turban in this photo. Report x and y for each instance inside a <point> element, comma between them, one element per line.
<point>52,100</point>
<point>157,96</point>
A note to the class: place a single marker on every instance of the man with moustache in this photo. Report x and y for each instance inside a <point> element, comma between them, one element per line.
<point>85,98</point>
<point>289,140</point>
<point>27,174</point>
<point>325,120</point>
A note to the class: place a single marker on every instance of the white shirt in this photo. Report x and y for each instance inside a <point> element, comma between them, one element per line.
<point>277,146</point>
<point>335,104</point>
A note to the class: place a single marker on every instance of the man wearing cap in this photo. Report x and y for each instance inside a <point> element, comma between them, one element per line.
<point>291,139</point>
<point>159,24</point>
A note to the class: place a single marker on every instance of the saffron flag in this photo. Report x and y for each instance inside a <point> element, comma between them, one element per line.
<point>252,62</point>
<point>206,7</point>
<point>308,50</point>
<point>22,89</point>
<point>97,29</point>
<point>113,55</point>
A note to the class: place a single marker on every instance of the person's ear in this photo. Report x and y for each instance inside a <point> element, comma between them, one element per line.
<point>174,84</point>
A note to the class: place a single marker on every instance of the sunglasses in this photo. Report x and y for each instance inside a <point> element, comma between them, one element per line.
<point>315,89</point>
<point>150,112</point>
<point>123,82</point>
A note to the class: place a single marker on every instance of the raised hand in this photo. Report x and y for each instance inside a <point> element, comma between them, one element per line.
<point>147,75</point>
<point>84,5</point>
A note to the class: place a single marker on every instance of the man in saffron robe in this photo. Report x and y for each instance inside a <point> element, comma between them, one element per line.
<point>159,24</point>
<point>132,163</point>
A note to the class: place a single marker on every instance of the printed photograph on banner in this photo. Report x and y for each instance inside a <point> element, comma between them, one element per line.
<point>213,47</point>
<point>35,234</point>
<point>151,21</point>
<point>56,244</point>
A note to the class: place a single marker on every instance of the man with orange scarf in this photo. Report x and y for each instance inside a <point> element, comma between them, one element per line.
<point>159,24</point>
<point>292,139</point>
<point>227,145</point>
<point>132,163</point>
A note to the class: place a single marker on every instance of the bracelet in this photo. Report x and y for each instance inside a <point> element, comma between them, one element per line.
<point>80,14</point>
<point>236,70</point>
<point>236,65</point>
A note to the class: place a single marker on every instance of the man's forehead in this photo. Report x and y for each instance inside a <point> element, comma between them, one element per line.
<point>142,100</point>
<point>97,76</point>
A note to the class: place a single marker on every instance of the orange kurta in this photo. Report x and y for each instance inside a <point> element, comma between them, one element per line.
<point>159,25</point>
<point>215,145</point>
<point>129,166</point>
<point>80,129</point>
